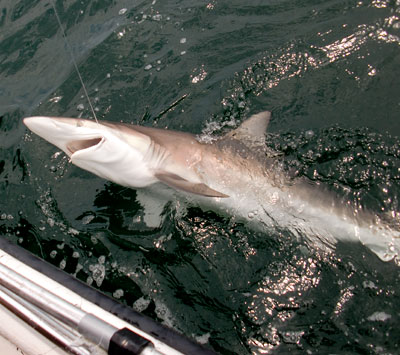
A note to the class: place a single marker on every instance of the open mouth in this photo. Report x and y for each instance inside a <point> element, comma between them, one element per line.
<point>77,145</point>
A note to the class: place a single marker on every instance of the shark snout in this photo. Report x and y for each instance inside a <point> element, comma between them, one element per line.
<point>69,134</point>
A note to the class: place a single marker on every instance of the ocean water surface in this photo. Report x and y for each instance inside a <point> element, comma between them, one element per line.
<point>327,70</point>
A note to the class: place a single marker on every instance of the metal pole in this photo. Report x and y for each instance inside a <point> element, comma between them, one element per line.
<point>95,329</point>
<point>42,322</point>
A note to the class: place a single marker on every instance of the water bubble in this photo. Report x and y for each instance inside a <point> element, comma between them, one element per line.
<point>73,231</point>
<point>291,337</point>
<point>368,284</point>
<point>87,219</point>
<point>121,34</point>
<point>51,222</point>
<point>309,134</point>
<point>203,339</point>
<point>141,304</point>
<point>63,264</point>
<point>55,99</point>
<point>379,317</point>
<point>56,155</point>
<point>371,70</point>
<point>118,293</point>
<point>157,17</point>
<point>98,273</point>
<point>164,313</point>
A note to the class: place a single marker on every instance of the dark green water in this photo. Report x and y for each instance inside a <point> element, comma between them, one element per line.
<point>329,72</point>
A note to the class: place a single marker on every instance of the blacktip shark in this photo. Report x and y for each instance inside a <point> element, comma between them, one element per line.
<point>233,175</point>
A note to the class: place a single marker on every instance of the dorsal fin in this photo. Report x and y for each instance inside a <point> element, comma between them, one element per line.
<point>253,129</point>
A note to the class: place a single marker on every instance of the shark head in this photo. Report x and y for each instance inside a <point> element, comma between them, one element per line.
<point>70,135</point>
<point>128,155</point>
<point>100,148</point>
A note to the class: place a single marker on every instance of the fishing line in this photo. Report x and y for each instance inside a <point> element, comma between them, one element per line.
<point>73,60</point>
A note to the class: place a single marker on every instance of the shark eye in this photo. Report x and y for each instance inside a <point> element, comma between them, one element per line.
<point>74,146</point>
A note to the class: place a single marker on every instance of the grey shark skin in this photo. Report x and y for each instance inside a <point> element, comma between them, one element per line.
<point>232,175</point>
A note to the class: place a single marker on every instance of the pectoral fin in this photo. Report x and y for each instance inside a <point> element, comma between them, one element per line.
<point>179,183</point>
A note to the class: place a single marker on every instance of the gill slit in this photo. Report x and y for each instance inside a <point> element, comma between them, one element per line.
<point>156,154</point>
<point>74,61</point>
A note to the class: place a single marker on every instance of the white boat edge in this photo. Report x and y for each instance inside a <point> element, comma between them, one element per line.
<point>18,338</point>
